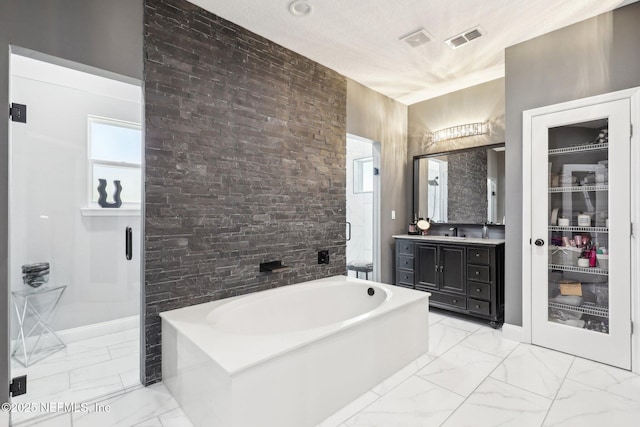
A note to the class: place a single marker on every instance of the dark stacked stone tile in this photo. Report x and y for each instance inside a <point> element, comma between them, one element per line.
<point>245,163</point>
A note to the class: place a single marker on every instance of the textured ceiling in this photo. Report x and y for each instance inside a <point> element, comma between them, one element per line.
<point>360,38</point>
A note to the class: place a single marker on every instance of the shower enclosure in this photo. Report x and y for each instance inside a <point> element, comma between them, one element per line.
<point>74,265</point>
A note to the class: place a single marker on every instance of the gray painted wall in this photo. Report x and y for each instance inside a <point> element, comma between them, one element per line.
<point>98,33</point>
<point>381,119</point>
<point>480,103</point>
<point>592,57</point>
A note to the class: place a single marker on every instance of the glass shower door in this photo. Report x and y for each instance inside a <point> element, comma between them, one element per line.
<point>75,295</point>
<point>581,220</point>
<point>360,208</point>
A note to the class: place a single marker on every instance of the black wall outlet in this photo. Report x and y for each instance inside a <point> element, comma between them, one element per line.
<point>323,257</point>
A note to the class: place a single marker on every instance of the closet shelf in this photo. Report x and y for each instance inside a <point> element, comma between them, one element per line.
<point>579,149</point>
<point>579,229</point>
<point>579,188</point>
<point>588,270</point>
<point>587,308</point>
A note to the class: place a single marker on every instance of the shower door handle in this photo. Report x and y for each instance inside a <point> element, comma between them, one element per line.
<point>349,234</point>
<point>128,243</point>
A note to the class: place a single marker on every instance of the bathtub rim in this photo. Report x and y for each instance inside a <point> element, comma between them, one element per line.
<point>236,353</point>
<point>228,308</point>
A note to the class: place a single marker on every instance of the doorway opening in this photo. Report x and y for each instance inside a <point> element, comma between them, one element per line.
<point>75,253</point>
<point>363,188</point>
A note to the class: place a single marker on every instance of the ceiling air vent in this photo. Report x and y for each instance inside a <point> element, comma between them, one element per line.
<point>417,37</point>
<point>463,38</point>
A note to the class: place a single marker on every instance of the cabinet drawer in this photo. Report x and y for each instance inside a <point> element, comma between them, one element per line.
<point>404,278</point>
<point>480,307</point>
<point>479,290</point>
<point>405,262</point>
<point>480,273</point>
<point>404,247</point>
<point>478,256</point>
<point>406,285</point>
<point>460,302</point>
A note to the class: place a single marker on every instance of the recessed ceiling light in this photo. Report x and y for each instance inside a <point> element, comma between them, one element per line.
<point>463,38</point>
<point>300,8</point>
<point>417,37</point>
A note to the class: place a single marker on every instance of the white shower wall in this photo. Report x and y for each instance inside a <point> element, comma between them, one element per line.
<point>49,189</point>
<point>359,206</point>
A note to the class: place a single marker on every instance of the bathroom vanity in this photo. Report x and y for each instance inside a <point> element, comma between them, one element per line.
<point>463,274</point>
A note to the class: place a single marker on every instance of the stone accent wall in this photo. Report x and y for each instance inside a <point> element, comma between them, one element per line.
<point>245,163</point>
<point>467,187</point>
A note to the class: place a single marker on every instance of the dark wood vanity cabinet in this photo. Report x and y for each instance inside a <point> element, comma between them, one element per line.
<point>440,268</point>
<point>462,277</point>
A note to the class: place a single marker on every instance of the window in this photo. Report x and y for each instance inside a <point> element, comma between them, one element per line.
<point>115,153</point>
<point>363,175</point>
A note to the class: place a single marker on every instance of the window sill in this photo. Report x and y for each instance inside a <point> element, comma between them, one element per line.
<point>122,211</point>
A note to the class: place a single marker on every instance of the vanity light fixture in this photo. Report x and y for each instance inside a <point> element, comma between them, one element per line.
<point>460,131</point>
<point>300,8</point>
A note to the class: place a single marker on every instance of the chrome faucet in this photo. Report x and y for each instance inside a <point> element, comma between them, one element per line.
<point>454,231</point>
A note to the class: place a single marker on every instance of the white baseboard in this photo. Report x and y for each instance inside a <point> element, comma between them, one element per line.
<point>513,332</point>
<point>92,331</point>
<point>98,329</point>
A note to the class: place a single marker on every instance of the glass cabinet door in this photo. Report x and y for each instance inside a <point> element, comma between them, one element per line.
<point>581,232</point>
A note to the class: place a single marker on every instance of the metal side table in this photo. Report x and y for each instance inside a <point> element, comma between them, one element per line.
<point>36,305</point>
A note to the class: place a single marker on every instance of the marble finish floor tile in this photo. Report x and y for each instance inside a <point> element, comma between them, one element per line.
<point>580,405</point>
<point>130,408</point>
<point>490,341</point>
<point>495,403</point>
<point>465,325</point>
<point>404,373</point>
<point>107,368</point>
<point>603,377</point>
<point>126,348</point>
<point>175,418</point>
<point>460,369</point>
<point>535,369</point>
<point>442,338</point>
<point>81,372</point>
<point>63,420</point>
<point>350,410</point>
<point>435,317</point>
<point>415,402</point>
<point>505,383</point>
<point>63,362</point>
<point>114,339</point>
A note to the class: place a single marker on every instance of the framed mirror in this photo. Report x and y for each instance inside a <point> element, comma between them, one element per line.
<point>463,186</point>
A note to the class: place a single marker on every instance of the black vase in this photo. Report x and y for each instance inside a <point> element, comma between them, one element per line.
<point>102,200</point>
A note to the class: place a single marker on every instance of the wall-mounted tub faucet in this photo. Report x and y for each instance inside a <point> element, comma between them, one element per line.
<point>454,231</point>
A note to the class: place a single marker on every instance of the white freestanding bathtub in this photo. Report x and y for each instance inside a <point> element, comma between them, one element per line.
<point>289,356</point>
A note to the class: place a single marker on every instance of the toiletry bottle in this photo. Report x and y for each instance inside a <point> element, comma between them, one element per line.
<point>485,231</point>
<point>592,257</point>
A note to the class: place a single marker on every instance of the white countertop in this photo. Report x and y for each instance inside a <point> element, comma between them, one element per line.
<point>451,239</point>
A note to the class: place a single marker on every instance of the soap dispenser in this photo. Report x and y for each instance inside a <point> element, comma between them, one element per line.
<point>485,231</point>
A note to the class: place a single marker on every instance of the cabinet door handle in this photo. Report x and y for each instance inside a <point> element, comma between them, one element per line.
<point>436,268</point>
<point>477,255</point>
<point>441,268</point>
<point>455,300</point>
<point>477,273</point>
<point>477,289</point>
